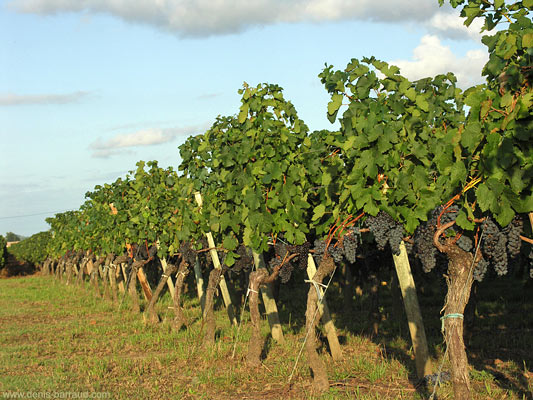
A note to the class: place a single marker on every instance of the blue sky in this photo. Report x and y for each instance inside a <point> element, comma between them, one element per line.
<point>89,87</point>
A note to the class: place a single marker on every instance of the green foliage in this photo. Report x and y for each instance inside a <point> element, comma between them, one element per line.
<point>403,147</point>
<point>397,140</point>
<point>250,171</point>
<point>33,249</point>
<point>147,207</point>
<point>3,251</point>
<point>409,146</point>
<point>499,127</point>
<point>12,237</point>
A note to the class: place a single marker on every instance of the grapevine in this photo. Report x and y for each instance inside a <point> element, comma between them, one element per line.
<point>402,150</point>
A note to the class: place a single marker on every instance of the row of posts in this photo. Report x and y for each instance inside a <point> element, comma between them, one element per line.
<point>401,262</point>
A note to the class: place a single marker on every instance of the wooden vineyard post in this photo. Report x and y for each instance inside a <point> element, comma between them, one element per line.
<point>216,263</point>
<point>323,310</point>
<point>199,282</point>
<point>269,302</point>
<point>124,273</point>
<point>90,266</point>
<point>170,283</point>
<point>412,309</point>
<point>147,291</point>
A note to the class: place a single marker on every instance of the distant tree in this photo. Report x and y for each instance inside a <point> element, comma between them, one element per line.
<point>12,237</point>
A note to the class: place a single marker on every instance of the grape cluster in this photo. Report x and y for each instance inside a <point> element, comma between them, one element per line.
<point>351,242</point>
<point>187,252</point>
<point>245,260</point>
<point>285,272</point>
<point>386,230</point>
<point>346,247</point>
<point>303,253</point>
<point>424,247</point>
<point>465,243</point>
<point>495,246</point>
<point>140,251</point>
<point>480,270</point>
<point>512,232</point>
<point>379,226</point>
<point>320,249</point>
<point>423,237</point>
<point>281,250</point>
<point>448,216</point>
<point>336,252</point>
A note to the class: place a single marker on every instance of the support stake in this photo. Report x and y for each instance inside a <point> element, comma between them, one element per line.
<point>412,309</point>
<point>269,302</point>
<point>325,316</point>
<point>216,263</point>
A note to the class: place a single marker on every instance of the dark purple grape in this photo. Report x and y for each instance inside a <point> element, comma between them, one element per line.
<point>494,246</point>
<point>386,231</point>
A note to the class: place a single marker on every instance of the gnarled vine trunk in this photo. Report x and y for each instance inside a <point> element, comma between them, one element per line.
<point>132,287</point>
<point>151,315</point>
<point>113,281</point>
<point>46,265</point>
<point>312,317</point>
<point>95,273</point>
<point>209,313</point>
<point>180,319</point>
<point>459,281</point>
<point>70,267</point>
<point>256,341</point>
<point>81,271</point>
<point>105,274</point>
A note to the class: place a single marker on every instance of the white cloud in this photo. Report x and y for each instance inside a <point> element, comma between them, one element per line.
<point>108,153</point>
<point>145,137</point>
<point>208,96</point>
<point>450,25</point>
<point>11,99</point>
<point>136,125</point>
<point>202,18</point>
<point>431,58</point>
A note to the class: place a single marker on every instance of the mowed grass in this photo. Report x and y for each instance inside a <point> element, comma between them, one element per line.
<point>59,338</point>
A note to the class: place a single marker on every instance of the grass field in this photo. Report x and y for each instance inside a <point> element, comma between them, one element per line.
<point>58,340</point>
